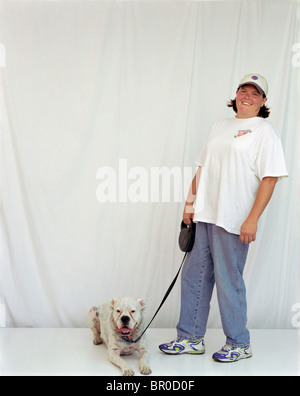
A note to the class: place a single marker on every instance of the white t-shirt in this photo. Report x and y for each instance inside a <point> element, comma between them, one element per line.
<point>238,154</point>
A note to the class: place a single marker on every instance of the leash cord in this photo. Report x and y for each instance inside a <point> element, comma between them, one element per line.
<point>163,300</point>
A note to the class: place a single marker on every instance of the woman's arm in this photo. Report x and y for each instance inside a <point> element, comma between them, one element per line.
<point>188,212</point>
<point>264,194</point>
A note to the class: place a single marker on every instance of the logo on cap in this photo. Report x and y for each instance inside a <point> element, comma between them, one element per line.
<point>254,78</point>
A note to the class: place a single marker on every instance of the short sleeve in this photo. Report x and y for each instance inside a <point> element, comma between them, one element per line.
<point>201,159</point>
<point>269,159</point>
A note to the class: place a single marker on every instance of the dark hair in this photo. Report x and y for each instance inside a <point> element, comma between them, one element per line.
<point>264,111</point>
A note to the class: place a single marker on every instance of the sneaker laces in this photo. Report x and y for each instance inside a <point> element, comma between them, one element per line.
<point>174,341</point>
<point>226,348</point>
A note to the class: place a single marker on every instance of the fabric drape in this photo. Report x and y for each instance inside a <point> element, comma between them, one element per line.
<point>105,107</point>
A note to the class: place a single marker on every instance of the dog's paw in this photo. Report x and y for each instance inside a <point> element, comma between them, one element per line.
<point>127,372</point>
<point>145,369</point>
<point>97,341</point>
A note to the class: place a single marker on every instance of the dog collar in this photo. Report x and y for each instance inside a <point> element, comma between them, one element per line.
<point>126,338</point>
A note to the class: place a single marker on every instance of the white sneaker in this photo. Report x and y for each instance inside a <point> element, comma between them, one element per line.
<point>182,345</point>
<point>232,354</point>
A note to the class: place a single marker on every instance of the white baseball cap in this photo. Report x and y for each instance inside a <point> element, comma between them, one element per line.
<point>257,80</point>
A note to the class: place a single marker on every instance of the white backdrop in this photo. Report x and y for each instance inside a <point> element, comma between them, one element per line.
<point>97,97</point>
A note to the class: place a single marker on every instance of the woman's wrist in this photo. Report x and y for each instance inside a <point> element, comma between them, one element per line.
<point>187,203</point>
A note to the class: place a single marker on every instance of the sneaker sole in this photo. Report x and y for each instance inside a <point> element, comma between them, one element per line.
<point>182,352</point>
<point>230,361</point>
<point>196,353</point>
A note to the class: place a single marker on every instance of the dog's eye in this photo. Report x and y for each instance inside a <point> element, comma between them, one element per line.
<point>132,311</point>
<point>118,311</point>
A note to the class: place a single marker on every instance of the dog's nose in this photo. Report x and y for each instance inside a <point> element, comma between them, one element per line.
<point>125,319</point>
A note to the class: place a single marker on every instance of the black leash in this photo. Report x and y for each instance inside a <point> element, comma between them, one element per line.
<point>127,339</point>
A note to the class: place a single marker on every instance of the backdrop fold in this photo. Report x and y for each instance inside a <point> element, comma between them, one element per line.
<point>105,107</point>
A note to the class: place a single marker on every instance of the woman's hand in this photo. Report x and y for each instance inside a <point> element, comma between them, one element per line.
<point>188,213</point>
<point>248,231</point>
<point>264,193</point>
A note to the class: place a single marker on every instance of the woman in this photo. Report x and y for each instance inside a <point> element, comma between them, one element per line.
<point>238,169</point>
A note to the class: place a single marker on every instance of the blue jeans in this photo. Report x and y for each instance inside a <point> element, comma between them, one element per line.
<point>217,257</point>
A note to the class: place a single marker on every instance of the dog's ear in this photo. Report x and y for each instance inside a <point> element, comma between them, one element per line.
<point>112,304</point>
<point>142,303</point>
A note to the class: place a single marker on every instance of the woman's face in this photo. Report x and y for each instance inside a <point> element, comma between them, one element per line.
<point>248,101</point>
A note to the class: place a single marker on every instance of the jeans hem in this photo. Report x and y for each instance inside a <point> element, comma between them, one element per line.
<point>189,338</point>
<point>239,345</point>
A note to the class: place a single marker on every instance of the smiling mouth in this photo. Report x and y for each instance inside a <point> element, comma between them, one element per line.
<point>125,330</point>
<point>246,103</point>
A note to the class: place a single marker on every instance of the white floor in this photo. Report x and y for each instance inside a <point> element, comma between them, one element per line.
<point>71,352</point>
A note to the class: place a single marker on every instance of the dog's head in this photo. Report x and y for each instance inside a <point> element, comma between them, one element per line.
<point>127,314</point>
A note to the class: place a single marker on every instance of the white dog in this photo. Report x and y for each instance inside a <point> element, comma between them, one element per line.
<point>116,324</point>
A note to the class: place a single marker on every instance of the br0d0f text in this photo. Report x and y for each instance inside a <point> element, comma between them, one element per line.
<point>171,385</point>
